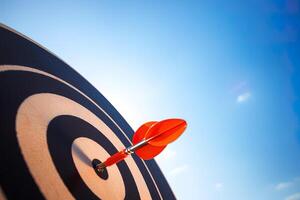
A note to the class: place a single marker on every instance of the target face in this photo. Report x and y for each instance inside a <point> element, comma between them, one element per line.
<point>55,125</point>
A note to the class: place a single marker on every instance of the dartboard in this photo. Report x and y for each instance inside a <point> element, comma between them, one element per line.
<point>55,126</point>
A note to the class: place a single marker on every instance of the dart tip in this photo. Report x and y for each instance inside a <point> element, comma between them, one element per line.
<point>100,167</point>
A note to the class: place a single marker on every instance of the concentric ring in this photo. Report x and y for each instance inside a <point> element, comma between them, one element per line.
<point>37,111</point>
<point>29,72</point>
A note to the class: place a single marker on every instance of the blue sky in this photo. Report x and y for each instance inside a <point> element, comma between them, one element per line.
<point>231,69</point>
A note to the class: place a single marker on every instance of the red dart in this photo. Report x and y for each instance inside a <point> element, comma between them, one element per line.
<point>149,140</point>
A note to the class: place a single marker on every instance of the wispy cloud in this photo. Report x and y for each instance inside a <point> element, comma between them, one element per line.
<point>295,196</point>
<point>283,185</point>
<point>243,97</point>
<point>179,170</point>
<point>287,184</point>
<point>241,90</point>
<point>219,186</point>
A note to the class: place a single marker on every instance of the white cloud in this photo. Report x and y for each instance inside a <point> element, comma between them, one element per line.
<point>179,170</point>
<point>283,185</point>
<point>295,196</point>
<point>219,186</point>
<point>288,184</point>
<point>243,97</point>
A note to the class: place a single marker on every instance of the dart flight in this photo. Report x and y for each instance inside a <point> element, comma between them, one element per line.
<point>149,140</point>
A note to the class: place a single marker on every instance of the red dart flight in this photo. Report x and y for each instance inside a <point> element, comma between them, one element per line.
<point>149,140</point>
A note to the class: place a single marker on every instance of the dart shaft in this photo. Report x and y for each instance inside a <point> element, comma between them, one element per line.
<point>117,157</point>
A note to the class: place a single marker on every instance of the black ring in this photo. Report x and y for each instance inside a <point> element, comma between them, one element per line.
<point>22,85</point>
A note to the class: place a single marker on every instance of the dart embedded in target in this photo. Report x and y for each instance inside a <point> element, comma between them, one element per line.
<point>59,132</point>
<point>148,141</point>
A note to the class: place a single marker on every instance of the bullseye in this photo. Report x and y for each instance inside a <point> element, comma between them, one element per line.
<point>102,174</point>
